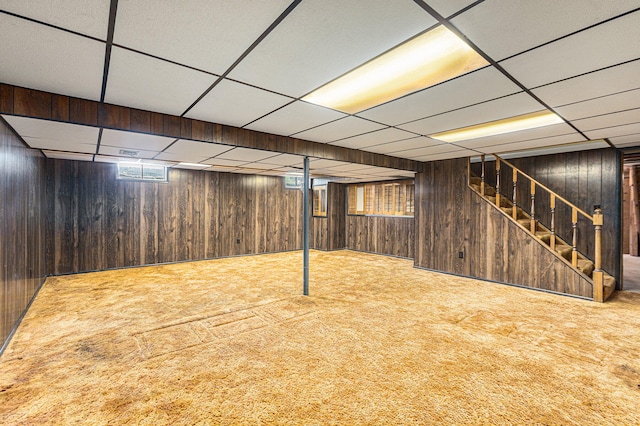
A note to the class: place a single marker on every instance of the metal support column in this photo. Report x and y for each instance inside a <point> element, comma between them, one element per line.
<point>305,228</point>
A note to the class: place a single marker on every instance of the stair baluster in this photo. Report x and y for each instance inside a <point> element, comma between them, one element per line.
<point>574,226</point>
<point>482,176</point>
<point>533,207</point>
<point>514,211</point>
<point>498,182</point>
<point>552,241</point>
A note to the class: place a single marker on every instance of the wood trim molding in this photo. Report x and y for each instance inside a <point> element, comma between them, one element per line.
<point>49,106</point>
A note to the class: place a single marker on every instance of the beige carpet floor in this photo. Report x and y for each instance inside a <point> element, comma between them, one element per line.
<point>231,341</point>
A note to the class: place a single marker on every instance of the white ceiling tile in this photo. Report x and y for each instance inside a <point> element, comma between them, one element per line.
<point>524,24</point>
<point>60,145</point>
<point>610,132</point>
<point>448,7</point>
<point>90,17</point>
<point>222,169</point>
<point>600,83</point>
<point>322,39</point>
<point>627,140</point>
<point>43,58</point>
<point>533,143</point>
<point>261,166</point>
<point>295,118</point>
<point>147,83</point>
<point>119,159</point>
<point>429,150</point>
<point>413,143</point>
<point>236,104</point>
<point>482,85</point>
<point>322,163</point>
<point>68,156</point>
<point>375,138</point>
<point>206,34</point>
<point>447,155</point>
<point>523,135</point>
<point>197,149</point>
<point>602,105</point>
<point>285,160</point>
<point>112,150</point>
<point>134,140</point>
<point>339,129</point>
<point>609,120</point>
<point>508,106</point>
<point>572,147</point>
<point>187,157</point>
<point>189,166</point>
<point>53,130</point>
<point>607,44</point>
<point>226,163</point>
<point>246,154</point>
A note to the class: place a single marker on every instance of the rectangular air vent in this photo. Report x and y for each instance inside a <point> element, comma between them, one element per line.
<point>129,153</point>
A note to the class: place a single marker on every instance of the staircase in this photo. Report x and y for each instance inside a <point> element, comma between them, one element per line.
<point>603,283</point>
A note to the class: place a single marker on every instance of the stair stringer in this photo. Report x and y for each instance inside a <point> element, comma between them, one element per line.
<point>517,257</point>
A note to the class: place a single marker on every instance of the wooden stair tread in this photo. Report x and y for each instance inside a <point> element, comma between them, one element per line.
<point>585,266</point>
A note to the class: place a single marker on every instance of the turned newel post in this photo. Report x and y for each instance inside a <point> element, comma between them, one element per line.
<point>598,274</point>
<point>498,182</point>
<point>515,195</point>
<point>482,176</point>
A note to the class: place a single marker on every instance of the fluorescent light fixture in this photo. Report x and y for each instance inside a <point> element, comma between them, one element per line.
<point>499,127</point>
<point>423,61</point>
<point>196,165</point>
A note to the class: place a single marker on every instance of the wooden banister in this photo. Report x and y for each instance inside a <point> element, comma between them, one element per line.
<point>598,273</point>
<point>498,181</point>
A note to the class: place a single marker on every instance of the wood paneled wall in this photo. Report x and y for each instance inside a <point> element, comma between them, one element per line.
<point>381,234</point>
<point>98,222</point>
<point>586,178</point>
<point>22,194</point>
<point>328,233</point>
<point>451,218</point>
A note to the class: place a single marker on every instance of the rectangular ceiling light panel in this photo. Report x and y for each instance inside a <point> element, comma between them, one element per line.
<point>423,61</point>
<point>499,127</point>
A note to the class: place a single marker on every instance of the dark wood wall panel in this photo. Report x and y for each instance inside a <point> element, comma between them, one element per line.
<point>22,207</point>
<point>380,234</point>
<point>97,222</point>
<point>328,233</point>
<point>38,104</point>
<point>451,218</point>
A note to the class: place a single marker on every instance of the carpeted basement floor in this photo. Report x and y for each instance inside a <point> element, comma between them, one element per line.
<point>230,341</point>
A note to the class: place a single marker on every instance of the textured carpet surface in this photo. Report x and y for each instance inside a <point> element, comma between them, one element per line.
<point>231,341</point>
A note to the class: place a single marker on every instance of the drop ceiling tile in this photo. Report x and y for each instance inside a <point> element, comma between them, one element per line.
<point>112,150</point>
<point>572,147</point>
<point>187,157</point>
<point>339,129</point>
<point>609,120</point>
<point>322,39</point>
<point>602,105</point>
<point>482,85</point>
<point>219,162</point>
<point>428,150</point>
<point>236,104</point>
<point>523,135</point>
<point>533,143</point>
<point>610,132</point>
<point>448,7</point>
<point>447,155</point>
<point>608,44</point>
<point>404,145</point>
<point>147,83</point>
<point>600,83</point>
<point>285,160</point>
<point>350,167</point>
<point>205,34</point>
<point>323,163</point>
<point>68,156</point>
<point>509,106</point>
<point>134,140</point>
<point>191,166</point>
<point>526,24</point>
<point>246,154</point>
<point>375,138</point>
<point>544,145</point>
<point>628,140</point>
<point>197,149</point>
<point>60,145</point>
<point>93,19</point>
<point>43,58</point>
<point>295,118</point>
<point>53,130</point>
<point>261,166</point>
